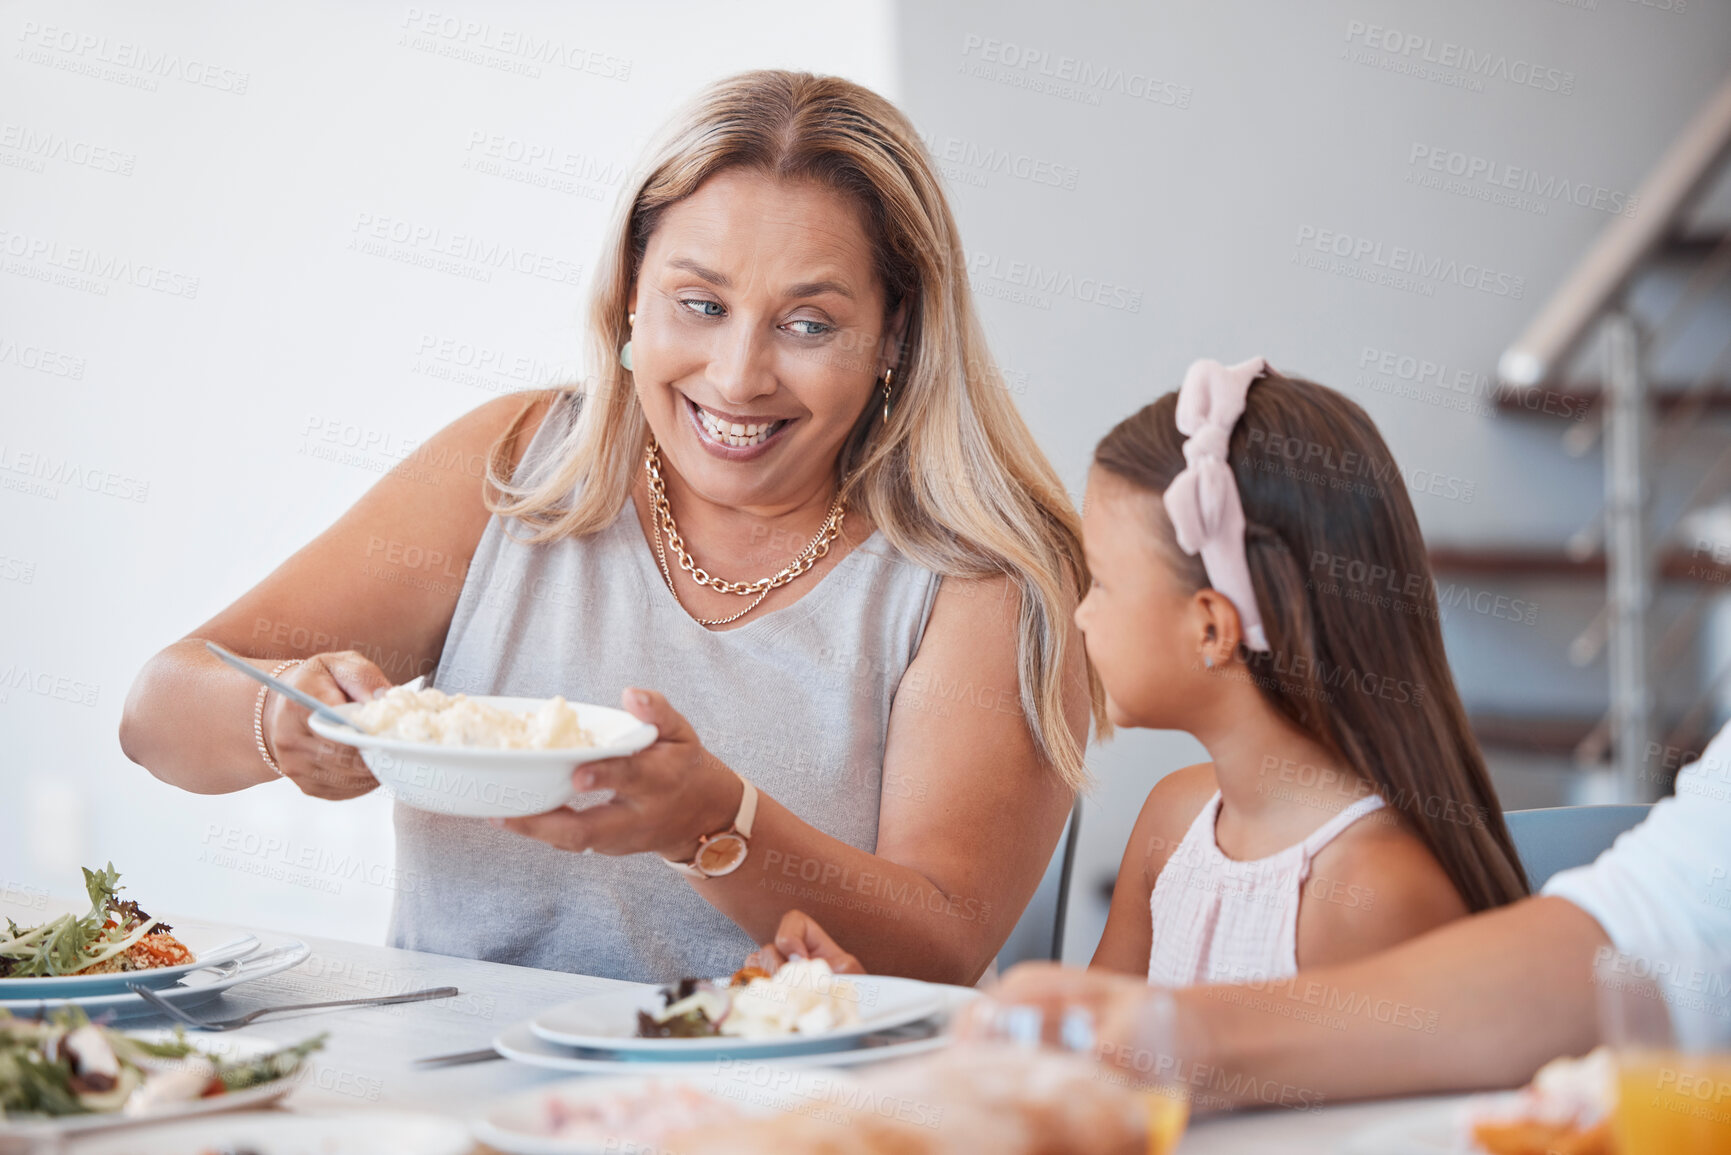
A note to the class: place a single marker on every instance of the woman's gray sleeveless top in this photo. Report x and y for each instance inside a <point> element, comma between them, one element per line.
<point>797,700</point>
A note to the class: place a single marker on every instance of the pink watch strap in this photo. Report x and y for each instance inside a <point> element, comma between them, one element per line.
<point>747,809</point>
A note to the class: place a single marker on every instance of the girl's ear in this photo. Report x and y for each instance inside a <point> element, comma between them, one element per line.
<point>1219,629</point>
<point>631,299</point>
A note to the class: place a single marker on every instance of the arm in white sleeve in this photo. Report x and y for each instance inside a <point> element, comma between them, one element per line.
<point>1664,887</point>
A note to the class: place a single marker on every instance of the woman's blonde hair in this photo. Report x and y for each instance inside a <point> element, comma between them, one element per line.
<point>954,480</point>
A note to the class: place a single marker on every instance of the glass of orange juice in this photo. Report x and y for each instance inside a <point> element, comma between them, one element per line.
<point>1668,1019</point>
<point>1157,1059</point>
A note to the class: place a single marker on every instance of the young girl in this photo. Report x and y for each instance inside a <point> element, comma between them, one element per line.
<point>1259,581</point>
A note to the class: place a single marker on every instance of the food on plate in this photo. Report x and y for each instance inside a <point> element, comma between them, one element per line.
<point>804,997</point>
<point>66,1065</point>
<point>114,936</point>
<point>1565,1110</point>
<point>642,1117</point>
<point>958,1101</point>
<point>963,1099</point>
<point>458,720</point>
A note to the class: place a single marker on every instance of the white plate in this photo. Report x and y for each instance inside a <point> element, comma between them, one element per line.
<point>521,1045</point>
<point>607,1020</point>
<point>1441,1129</point>
<point>227,1047</point>
<point>518,1125</point>
<point>275,953</point>
<point>292,1133</point>
<point>481,783</point>
<point>210,946</point>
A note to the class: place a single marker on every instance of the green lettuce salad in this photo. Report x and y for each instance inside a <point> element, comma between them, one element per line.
<point>63,1064</point>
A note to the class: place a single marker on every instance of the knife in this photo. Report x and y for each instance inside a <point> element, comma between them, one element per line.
<point>459,1058</point>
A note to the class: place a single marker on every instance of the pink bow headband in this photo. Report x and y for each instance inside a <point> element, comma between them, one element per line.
<point>1203,500</point>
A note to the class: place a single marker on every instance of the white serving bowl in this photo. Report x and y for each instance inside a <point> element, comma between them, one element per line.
<point>476,782</point>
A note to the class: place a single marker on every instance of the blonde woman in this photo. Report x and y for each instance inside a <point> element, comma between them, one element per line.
<point>793,521</point>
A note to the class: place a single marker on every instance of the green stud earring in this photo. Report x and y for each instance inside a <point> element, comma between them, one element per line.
<point>625,350</point>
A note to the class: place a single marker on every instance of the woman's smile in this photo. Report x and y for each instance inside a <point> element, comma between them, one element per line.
<point>735,437</point>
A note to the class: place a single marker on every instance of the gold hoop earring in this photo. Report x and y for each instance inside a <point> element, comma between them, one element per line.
<point>889,375</point>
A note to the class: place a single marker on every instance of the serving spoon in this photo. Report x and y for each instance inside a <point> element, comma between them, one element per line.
<point>283,688</point>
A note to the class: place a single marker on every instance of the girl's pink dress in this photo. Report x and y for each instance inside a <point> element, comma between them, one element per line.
<point>1219,920</point>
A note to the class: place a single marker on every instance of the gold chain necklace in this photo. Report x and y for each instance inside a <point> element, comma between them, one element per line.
<point>662,512</point>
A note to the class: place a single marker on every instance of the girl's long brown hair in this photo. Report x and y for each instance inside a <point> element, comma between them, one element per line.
<point>1347,599</point>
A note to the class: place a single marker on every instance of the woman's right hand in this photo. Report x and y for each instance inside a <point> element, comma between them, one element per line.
<point>320,767</point>
<point>799,936</point>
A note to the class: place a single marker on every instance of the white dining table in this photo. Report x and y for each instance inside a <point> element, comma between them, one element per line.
<point>368,1060</point>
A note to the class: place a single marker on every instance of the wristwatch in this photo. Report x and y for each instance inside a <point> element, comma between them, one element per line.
<point>719,854</point>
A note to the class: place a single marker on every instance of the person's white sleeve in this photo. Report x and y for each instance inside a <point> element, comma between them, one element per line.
<point>1664,887</point>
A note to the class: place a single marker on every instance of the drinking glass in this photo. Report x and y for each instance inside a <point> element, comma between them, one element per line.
<point>1667,1018</point>
<point>1150,1062</point>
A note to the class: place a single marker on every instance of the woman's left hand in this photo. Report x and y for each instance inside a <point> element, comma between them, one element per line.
<point>664,797</point>
<point>799,936</point>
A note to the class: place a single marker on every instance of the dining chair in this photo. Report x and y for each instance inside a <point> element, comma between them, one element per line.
<point>1560,837</point>
<point>1039,933</point>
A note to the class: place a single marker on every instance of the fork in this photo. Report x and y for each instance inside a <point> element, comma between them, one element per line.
<point>175,1012</point>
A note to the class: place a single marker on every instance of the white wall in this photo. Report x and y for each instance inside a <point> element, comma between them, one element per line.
<point>1192,153</point>
<point>211,169</point>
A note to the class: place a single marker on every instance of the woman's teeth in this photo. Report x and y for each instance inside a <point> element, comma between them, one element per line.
<point>733,433</point>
